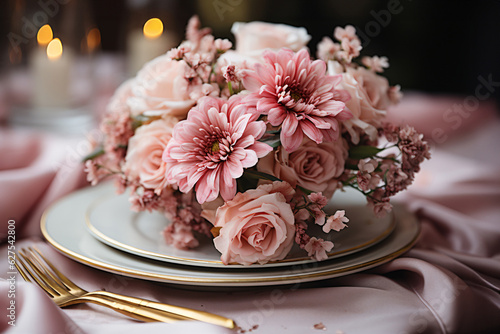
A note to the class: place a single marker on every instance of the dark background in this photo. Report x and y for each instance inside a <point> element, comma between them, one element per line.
<point>433,46</point>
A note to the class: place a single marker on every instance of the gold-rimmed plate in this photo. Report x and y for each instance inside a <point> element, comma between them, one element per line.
<point>64,227</point>
<point>111,221</point>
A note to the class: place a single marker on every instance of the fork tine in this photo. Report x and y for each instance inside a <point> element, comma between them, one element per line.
<point>20,269</point>
<point>38,273</point>
<point>24,263</point>
<point>60,275</point>
<point>50,278</point>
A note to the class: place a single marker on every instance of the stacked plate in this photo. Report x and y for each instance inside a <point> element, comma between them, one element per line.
<point>96,227</point>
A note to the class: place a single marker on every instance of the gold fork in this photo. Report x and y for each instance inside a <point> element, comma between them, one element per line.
<point>64,293</point>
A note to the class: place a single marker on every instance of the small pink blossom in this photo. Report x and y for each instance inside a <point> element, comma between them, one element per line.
<point>207,49</point>
<point>367,166</point>
<point>350,49</point>
<point>194,32</point>
<point>302,215</point>
<point>413,148</point>
<point>318,199</point>
<point>121,184</point>
<point>146,200</point>
<point>198,91</point>
<point>230,73</point>
<point>117,125</point>
<point>350,43</point>
<point>349,33</point>
<point>178,53</point>
<point>379,203</point>
<point>94,173</point>
<point>367,181</point>
<point>317,248</point>
<point>210,149</point>
<point>180,235</point>
<point>391,132</point>
<point>296,94</point>
<point>301,237</point>
<point>367,178</point>
<point>381,208</point>
<point>336,222</point>
<point>327,49</point>
<point>315,206</point>
<point>222,45</point>
<point>376,63</point>
<point>118,130</point>
<point>396,180</point>
<point>319,215</point>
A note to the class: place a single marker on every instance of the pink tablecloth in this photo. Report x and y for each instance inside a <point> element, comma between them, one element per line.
<point>448,283</point>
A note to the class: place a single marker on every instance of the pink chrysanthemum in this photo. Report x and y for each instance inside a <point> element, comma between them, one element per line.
<point>296,94</point>
<point>209,150</point>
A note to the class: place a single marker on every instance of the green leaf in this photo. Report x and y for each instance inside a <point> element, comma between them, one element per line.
<point>351,166</point>
<point>260,175</point>
<point>305,191</point>
<point>94,154</point>
<point>141,120</point>
<point>363,151</point>
<point>274,144</point>
<point>273,132</point>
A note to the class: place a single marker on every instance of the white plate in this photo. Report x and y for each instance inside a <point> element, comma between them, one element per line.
<point>63,225</point>
<point>111,221</point>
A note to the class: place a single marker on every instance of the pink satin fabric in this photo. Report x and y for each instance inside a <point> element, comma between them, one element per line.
<point>448,283</point>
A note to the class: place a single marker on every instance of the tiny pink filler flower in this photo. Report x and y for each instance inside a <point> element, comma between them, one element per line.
<point>210,149</point>
<point>297,94</point>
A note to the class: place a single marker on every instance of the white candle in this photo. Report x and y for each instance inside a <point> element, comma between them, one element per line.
<point>51,69</point>
<point>147,44</point>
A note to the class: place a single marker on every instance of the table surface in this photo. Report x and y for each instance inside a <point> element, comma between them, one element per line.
<point>448,283</point>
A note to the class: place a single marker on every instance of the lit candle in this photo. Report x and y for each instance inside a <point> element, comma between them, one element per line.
<point>147,44</point>
<point>51,72</point>
<point>92,41</point>
<point>44,35</point>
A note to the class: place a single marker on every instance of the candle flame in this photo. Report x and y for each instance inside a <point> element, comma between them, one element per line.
<point>54,49</point>
<point>153,28</point>
<point>93,39</point>
<point>44,35</point>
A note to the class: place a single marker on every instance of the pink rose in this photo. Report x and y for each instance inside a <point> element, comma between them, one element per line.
<point>118,102</point>
<point>239,60</point>
<point>315,167</point>
<point>370,98</point>
<point>257,226</point>
<point>277,163</point>
<point>143,162</point>
<point>253,37</point>
<point>160,88</point>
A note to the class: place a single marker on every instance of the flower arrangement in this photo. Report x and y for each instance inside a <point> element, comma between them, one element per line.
<point>247,146</point>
